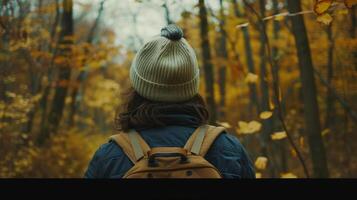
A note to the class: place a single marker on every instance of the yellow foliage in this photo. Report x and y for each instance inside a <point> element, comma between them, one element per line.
<point>322,6</point>
<point>251,78</point>
<point>265,114</point>
<point>258,175</point>
<point>103,92</point>
<point>293,153</point>
<point>248,127</point>
<point>288,175</point>
<point>342,12</point>
<point>302,142</point>
<point>278,135</point>
<point>325,18</point>
<point>325,131</point>
<point>350,3</point>
<point>66,155</point>
<point>279,17</point>
<point>16,109</point>
<point>224,124</point>
<point>261,162</point>
<point>271,104</point>
<point>26,60</point>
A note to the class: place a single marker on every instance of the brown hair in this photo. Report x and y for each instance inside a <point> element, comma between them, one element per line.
<point>140,113</point>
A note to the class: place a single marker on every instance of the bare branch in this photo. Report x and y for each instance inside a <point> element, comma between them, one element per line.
<point>276,87</point>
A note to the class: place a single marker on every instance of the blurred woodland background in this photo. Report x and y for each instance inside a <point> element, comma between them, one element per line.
<point>278,74</point>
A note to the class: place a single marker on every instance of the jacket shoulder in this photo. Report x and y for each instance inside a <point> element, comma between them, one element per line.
<point>109,161</point>
<point>109,150</point>
<point>230,157</point>
<point>227,142</point>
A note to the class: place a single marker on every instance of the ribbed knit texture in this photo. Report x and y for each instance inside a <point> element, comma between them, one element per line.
<point>165,70</point>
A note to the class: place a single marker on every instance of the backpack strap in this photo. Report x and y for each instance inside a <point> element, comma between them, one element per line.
<point>203,137</point>
<point>133,145</point>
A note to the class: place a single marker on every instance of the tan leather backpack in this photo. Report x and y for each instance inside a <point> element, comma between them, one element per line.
<point>170,162</point>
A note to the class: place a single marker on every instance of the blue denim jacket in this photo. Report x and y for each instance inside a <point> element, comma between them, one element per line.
<point>226,153</point>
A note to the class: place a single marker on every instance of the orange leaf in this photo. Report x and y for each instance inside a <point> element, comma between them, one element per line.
<point>350,3</point>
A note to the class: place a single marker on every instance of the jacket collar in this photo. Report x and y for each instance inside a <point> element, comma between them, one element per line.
<point>178,120</point>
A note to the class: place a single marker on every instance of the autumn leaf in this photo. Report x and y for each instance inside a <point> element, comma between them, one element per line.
<point>301,142</point>
<point>224,124</point>
<point>254,126</point>
<point>342,12</point>
<point>325,131</point>
<point>325,19</point>
<point>261,162</point>
<point>265,115</point>
<point>10,94</point>
<point>248,127</point>
<point>242,124</point>
<point>251,78</point>
<point>293,153</point>
<point>350,3</point>
<point>278,135</point>
<point>288,175</point>
<point>258,175</point>
<point>271,104</point>
<point>322,6</point>
<point>280,97</point>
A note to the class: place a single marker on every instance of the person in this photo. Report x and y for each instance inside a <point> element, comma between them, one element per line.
<point>164,107</point>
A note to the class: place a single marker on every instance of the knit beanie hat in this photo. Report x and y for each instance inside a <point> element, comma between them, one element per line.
<point>165,69</point>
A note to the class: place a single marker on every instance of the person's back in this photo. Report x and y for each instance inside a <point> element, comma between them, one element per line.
<point>165,109</point>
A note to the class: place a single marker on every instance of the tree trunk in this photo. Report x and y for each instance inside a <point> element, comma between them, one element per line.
<point>353,31</point>
<point>353,22</point>
<point>267,128</point>
<point>34,89</point>
<point>207,62</point>
<point>276,29</point>
<point>223,57</point>
<point>348,108</point>
<point>83,74</point>
<point>311,110</point>
<point>58,103</point>
<point>46,91</point>
<point>254,102</point>
<point>35,80</point>
<point>281,146</point>
<point>237,13</point>
<point>254,105</point>
<point>329,97</point>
